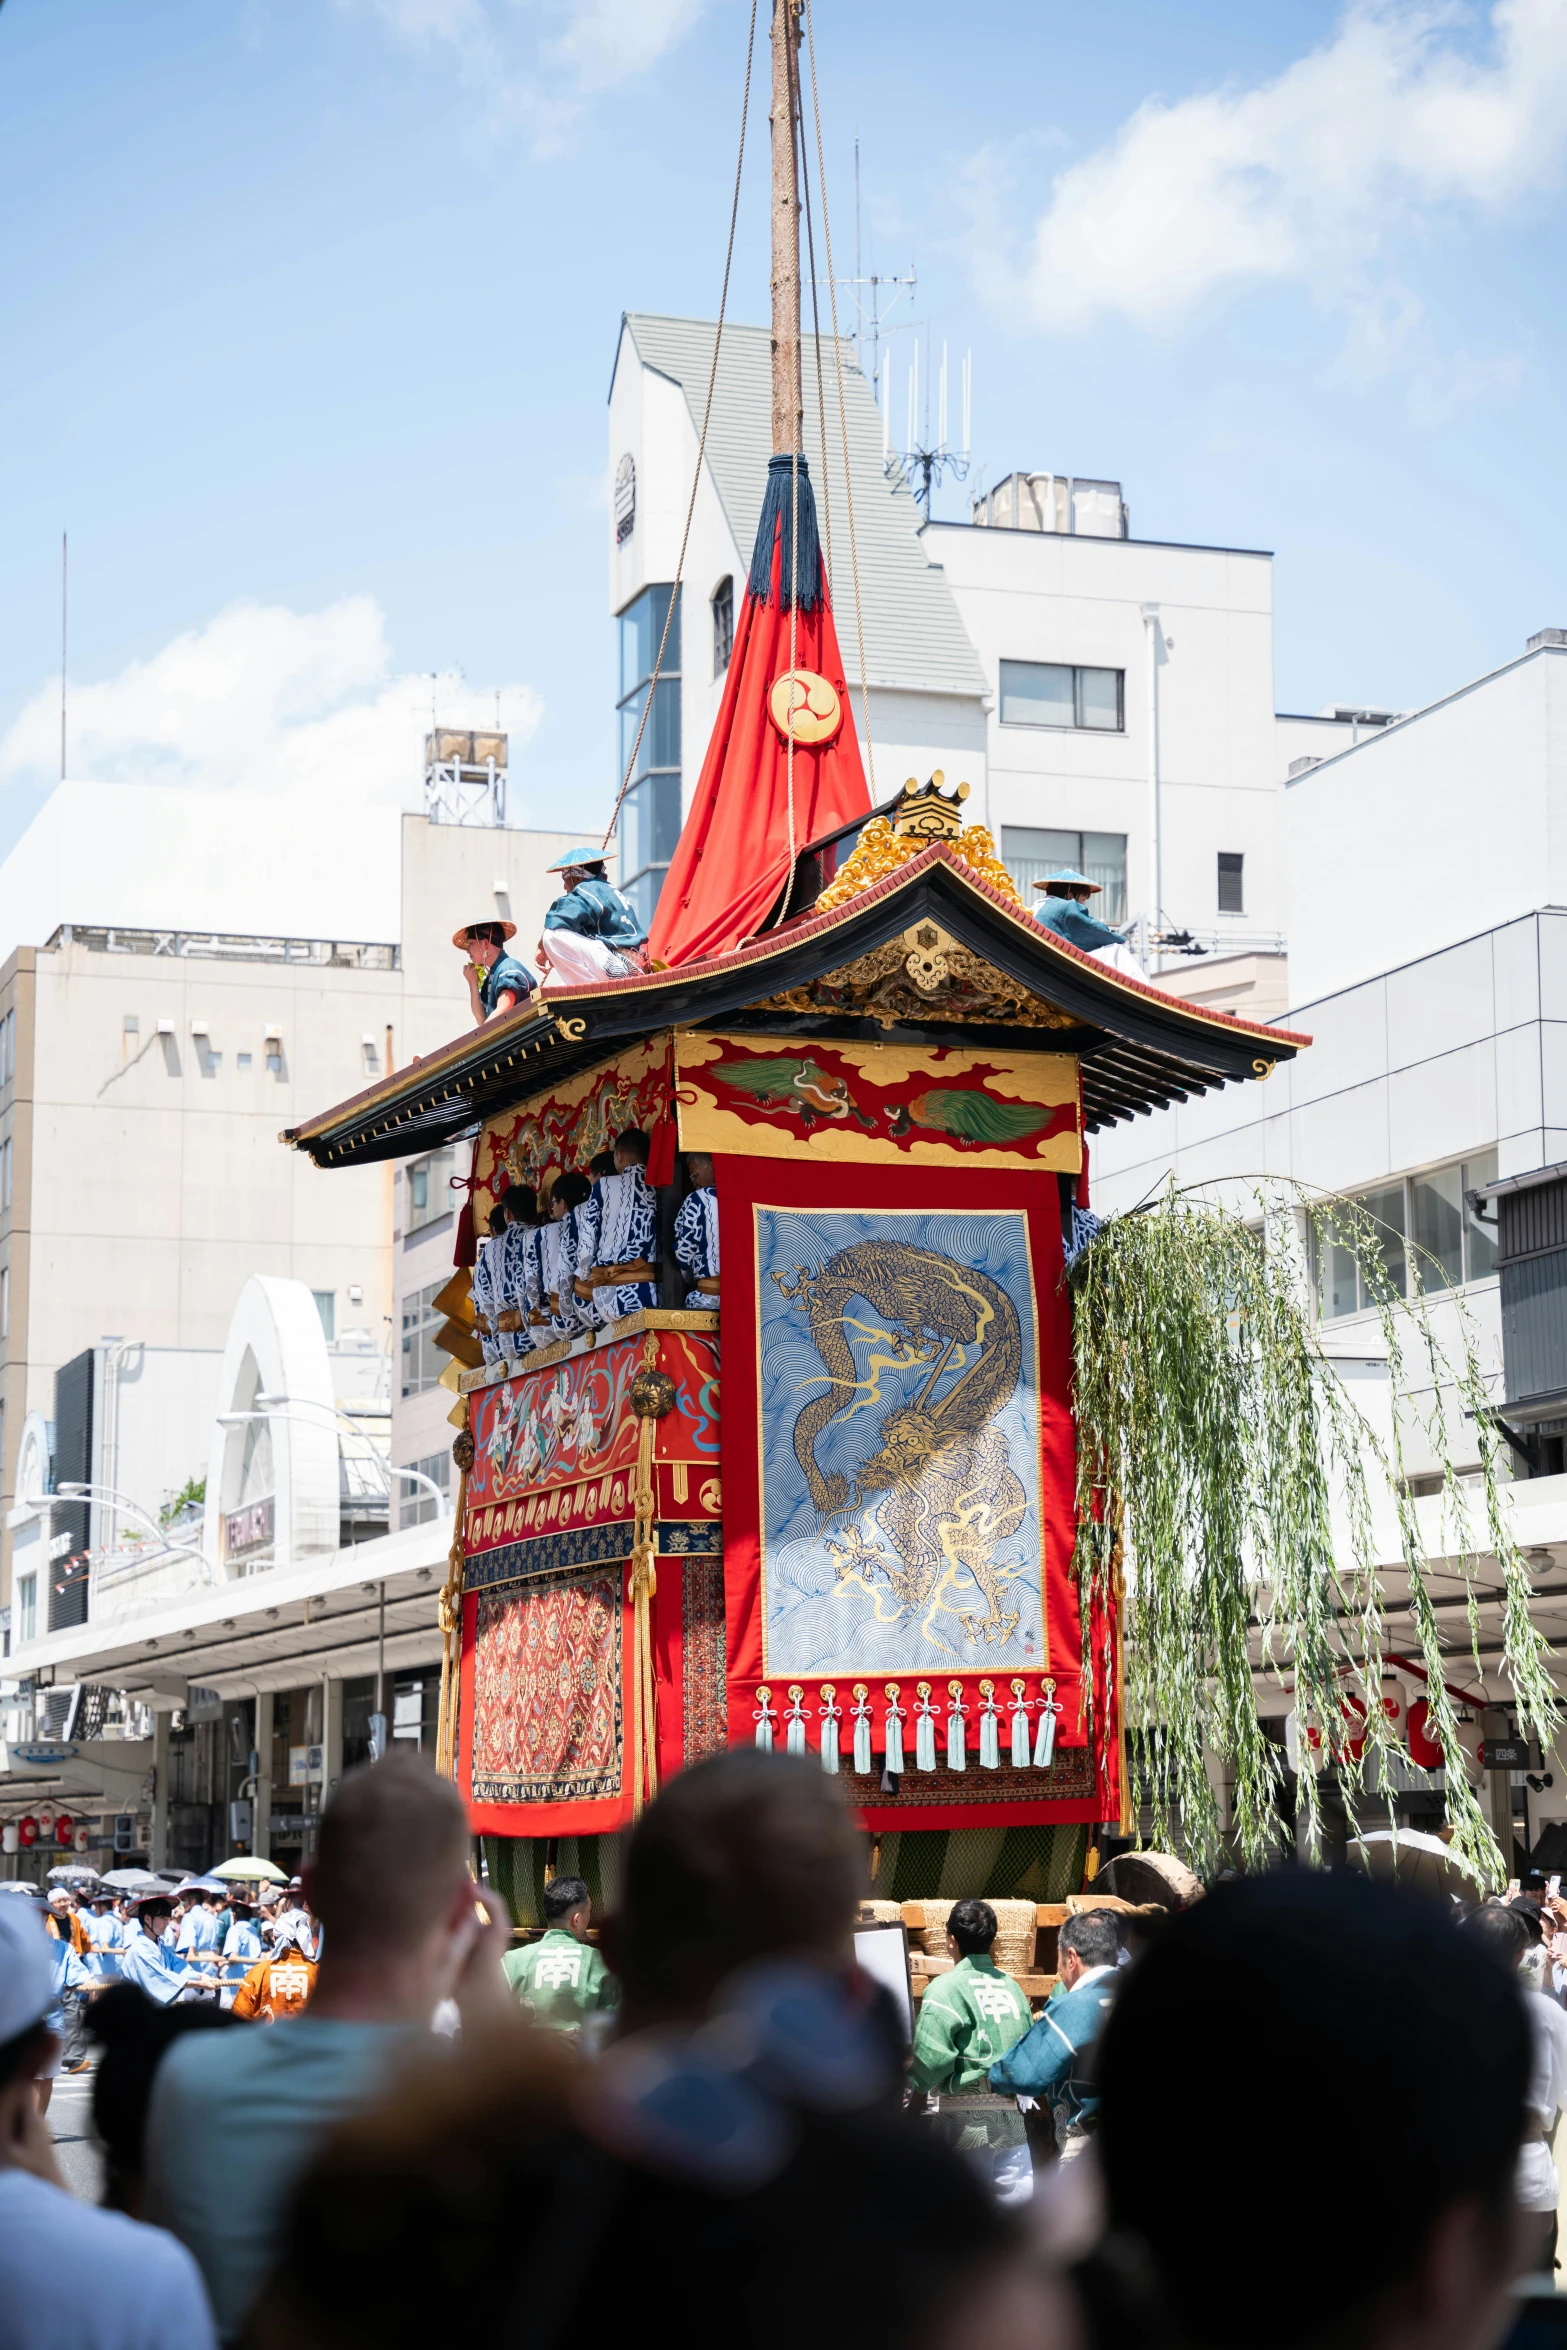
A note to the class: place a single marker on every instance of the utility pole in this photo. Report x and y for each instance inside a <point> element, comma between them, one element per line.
<point>788,393</point>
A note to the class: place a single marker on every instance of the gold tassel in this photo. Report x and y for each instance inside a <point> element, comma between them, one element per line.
<point>651,1395</point>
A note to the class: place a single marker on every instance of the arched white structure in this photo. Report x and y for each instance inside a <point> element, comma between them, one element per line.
<point>280,1470</point>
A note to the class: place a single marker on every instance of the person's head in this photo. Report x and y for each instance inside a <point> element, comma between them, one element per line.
<point>1067,889</point>
<point>699,1169</point>
<point>742,1856</point>
<point>511,2162</point>
<point>485,942</point>
<point>571,1189</point>
<point>602,1163</point>
<point>630,1150</point>
<point>28,2048</point>
<point>102,1899</point>
<point>520,1204</point>
<point>154,1913</point>
<point>390,1880</point>
<point>134,2033</point>
<point>1090,1938</point>
<point>1313,1994</point>
<point>566,1904</point>
<point>592,869</point>
<point>496,1219</point>
<point>1503,1929</point>
<point>971,1929</point>
<point>61,1900</point>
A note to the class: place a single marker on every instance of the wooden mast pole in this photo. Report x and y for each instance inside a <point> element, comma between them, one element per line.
<point>788,395</point>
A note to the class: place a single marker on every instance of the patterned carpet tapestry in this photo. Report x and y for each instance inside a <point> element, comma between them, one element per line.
<point>543,1699</point>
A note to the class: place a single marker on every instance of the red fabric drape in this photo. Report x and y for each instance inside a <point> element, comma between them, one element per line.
<point>732,858</point>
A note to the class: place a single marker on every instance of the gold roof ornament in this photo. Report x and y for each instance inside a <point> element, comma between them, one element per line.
<point>928,812</point>
<point>923,816</point>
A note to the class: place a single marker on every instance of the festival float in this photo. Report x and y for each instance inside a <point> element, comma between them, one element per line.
<point>874,1502</point>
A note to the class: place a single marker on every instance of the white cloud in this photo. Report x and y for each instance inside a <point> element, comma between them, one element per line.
<point>265,700</point>
<point>1306,177</point>
<point>536,74</point>
<point>610,41</point>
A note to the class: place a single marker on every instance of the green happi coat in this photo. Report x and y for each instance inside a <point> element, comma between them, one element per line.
<point>561,1981</point>
<point>969,2018</point>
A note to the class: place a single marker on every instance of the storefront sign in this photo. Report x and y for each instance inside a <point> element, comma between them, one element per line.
<point>248,1529</point>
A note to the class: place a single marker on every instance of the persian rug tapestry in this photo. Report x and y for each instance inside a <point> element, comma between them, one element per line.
<point>573,1122</point>
<point>543,1703</point>
<point>898,1474</point>
<point>886,1104</point>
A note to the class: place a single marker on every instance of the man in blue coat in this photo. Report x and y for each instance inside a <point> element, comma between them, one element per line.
<point>1051,2061</point>
<point>497,982</point>
<point>591,932</point>
<point>1064,911</point>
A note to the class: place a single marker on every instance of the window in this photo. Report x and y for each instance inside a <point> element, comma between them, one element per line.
<point>1052,693</point>
<point>723,625</point>
<point>5,1173</point>
<point>326,1307</point>
<point>27,1607</point>
<point>1232,883</point>
<point>1427,1236</point>
<point>430,1189</point>
<point>5,1302</point>
<point>1029,855</point>
<point>416,1506</point>
<point>650,811</point>
<point>423,1360</point>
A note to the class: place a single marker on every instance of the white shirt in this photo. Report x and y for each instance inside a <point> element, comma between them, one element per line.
<point>1538,2186</point>
<point>70,2273</point>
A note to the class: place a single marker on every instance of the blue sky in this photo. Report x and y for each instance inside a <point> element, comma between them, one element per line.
<point>310,307</point>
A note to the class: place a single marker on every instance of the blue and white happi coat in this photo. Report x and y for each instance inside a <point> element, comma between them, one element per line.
<point>484,1298</point>
<point>620,1224</point>
<point>696,1245</point>
<point>508,1284</point>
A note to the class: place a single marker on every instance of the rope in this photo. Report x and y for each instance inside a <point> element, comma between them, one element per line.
<point>816,332</point>
<point>843,414</point>
<point>449,1613</point>
<point>701,447</point>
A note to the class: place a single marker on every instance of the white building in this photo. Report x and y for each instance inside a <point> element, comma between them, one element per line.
<point>1038,652</point>
<point>258,1640</point>
<point>1434,985</point>
<point>184,974</point>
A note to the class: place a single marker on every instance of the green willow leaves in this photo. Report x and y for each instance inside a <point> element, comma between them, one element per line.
<point>1245,1477</point>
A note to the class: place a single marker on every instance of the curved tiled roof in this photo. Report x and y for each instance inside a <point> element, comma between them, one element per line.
<point>1139,1047</point>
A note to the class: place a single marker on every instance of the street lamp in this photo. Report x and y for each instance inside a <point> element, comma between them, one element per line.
<point>268,1411</point>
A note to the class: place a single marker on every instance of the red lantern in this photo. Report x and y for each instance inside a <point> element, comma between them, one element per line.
<point>64,1830</point>
<point>27,1829</point>
<point>1425,1752</point>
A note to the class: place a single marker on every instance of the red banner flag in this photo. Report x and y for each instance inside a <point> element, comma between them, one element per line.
<point>733,857</point>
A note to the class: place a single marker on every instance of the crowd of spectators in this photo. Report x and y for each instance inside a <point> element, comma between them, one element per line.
<point>1309,2107</point>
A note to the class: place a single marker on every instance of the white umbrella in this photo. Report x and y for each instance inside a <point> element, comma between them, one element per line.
<point>135,1881</point>
<point>245,1864</point>
<point>72,1872</point>
<point>1414,1858</point>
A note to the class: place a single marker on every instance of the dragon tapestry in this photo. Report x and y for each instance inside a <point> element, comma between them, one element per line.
<point>900,1442</point>
<point>909,1105</point>
<point>898,1471</point>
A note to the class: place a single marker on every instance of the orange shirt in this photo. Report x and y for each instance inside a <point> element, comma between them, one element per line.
<point>77,1935</point>
<point>276,1987</point>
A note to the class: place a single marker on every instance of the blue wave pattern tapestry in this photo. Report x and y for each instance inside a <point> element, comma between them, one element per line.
<point>899,1432</point>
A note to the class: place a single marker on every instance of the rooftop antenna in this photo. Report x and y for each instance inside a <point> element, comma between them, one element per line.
<point>64,577</point>
<point>924,465</point>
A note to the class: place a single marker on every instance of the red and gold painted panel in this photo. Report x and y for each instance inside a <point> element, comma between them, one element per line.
<point>573,1122</point>
<point>554,1448</point>
<point>547,1690</point>
<point>887,1104</point>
